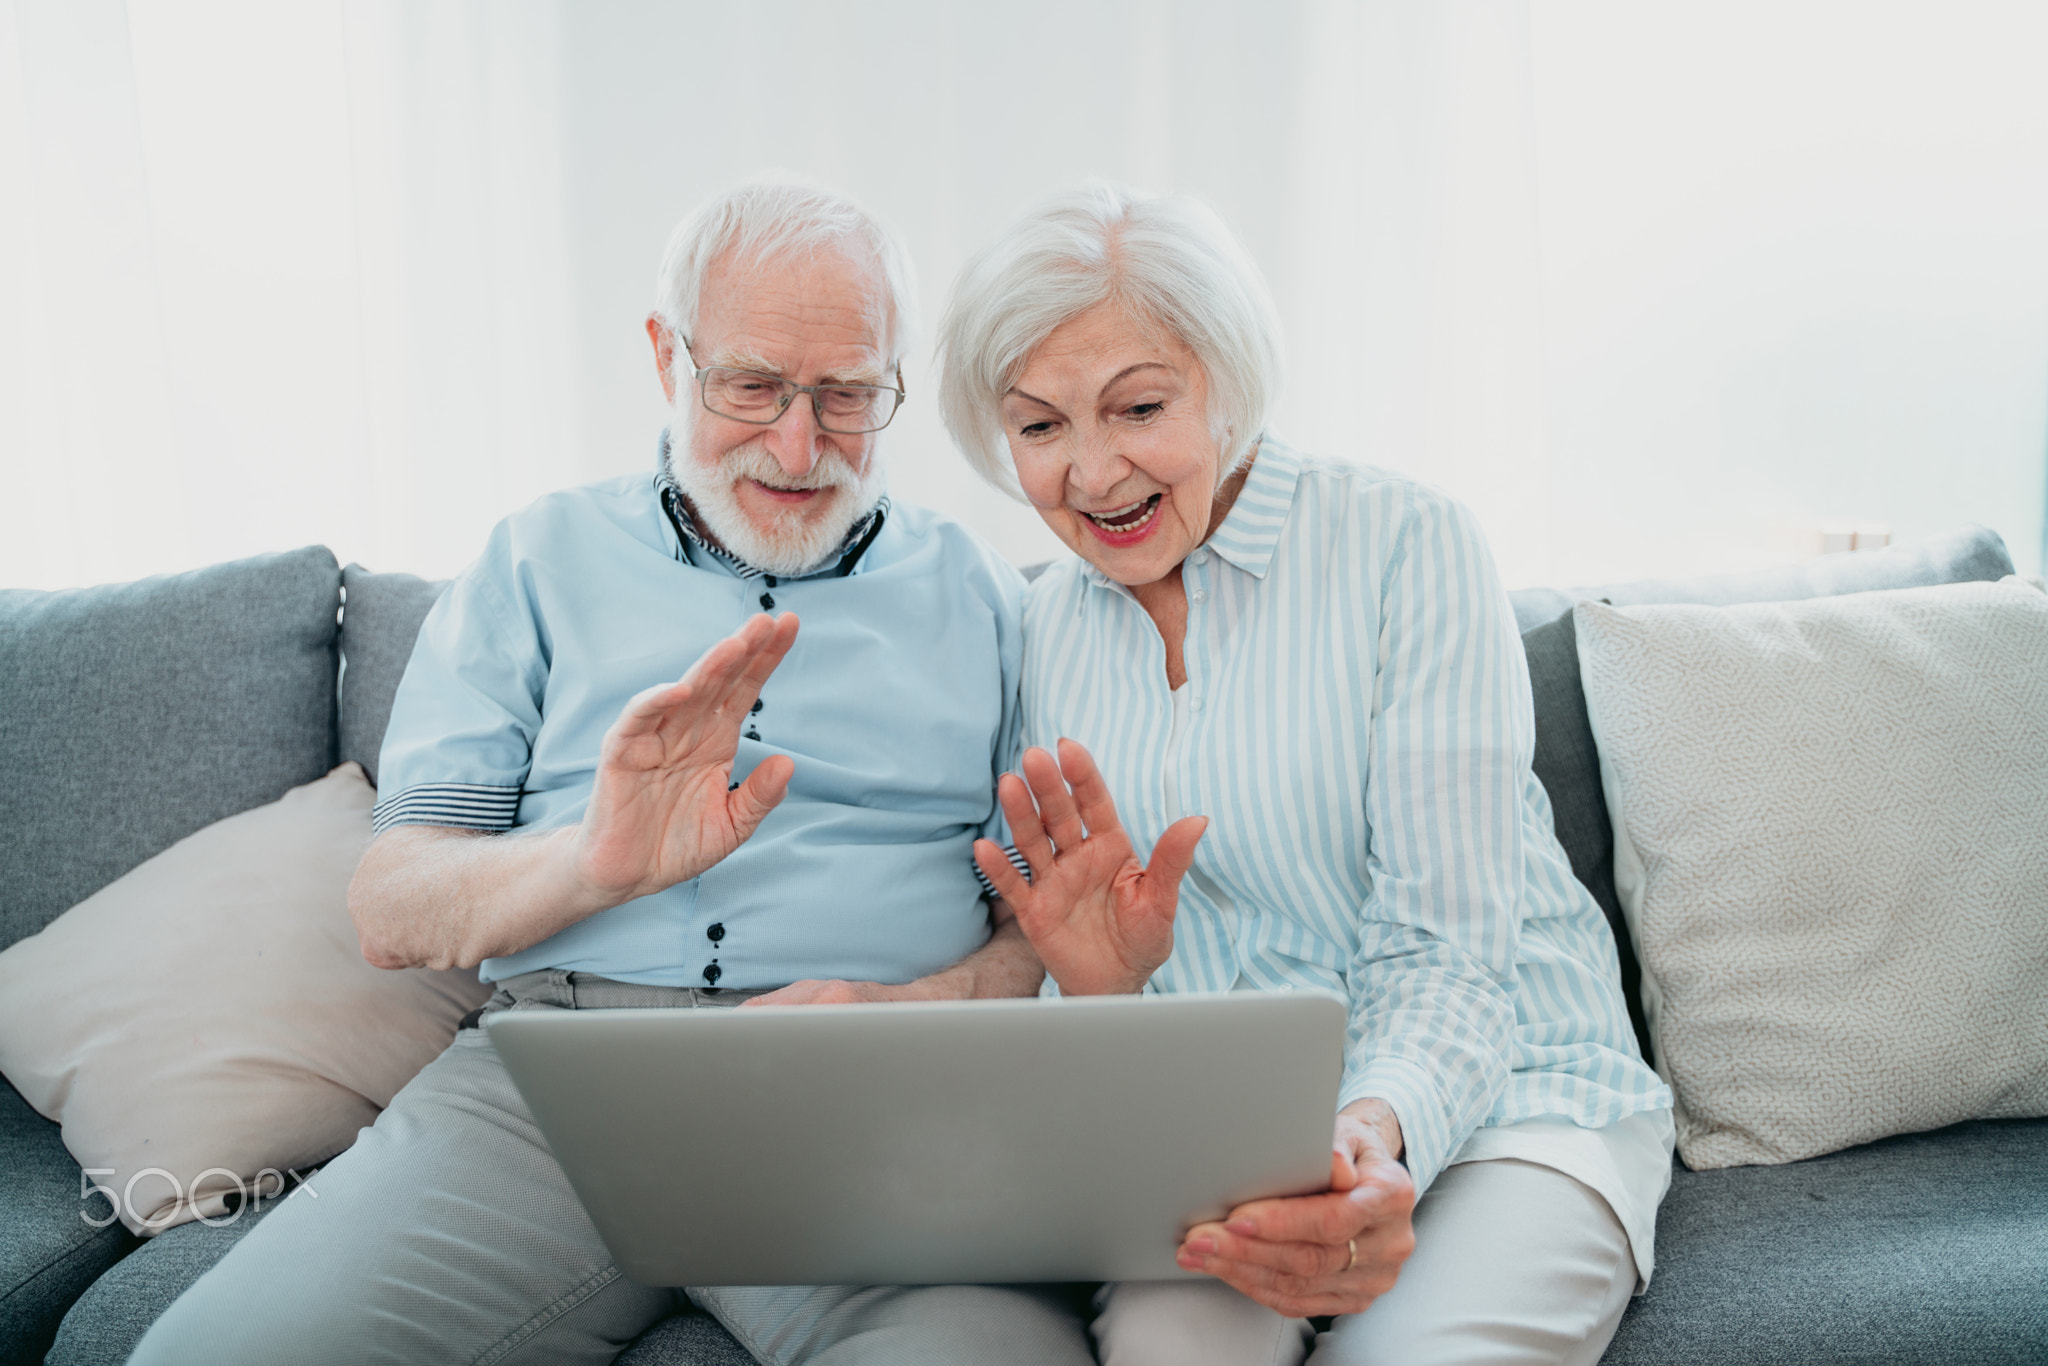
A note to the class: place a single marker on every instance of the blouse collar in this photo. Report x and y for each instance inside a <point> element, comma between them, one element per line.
<point>1251,530</point>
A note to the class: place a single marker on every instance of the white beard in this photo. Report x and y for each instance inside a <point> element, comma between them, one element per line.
<point>795,541</point>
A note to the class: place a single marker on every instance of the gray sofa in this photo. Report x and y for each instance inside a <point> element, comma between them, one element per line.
<point>134,714</point>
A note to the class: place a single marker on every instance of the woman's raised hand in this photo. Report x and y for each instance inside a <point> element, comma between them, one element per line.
<point>664,807</point>
<point>1101,921</point>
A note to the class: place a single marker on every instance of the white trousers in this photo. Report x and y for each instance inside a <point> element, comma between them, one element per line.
<point>1513,1263</point>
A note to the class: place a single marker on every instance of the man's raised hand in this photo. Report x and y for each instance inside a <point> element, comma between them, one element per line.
<point>1101,921</point>
<point>663,808</point>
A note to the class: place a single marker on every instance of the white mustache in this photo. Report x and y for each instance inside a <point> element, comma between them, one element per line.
<point>752,461</point>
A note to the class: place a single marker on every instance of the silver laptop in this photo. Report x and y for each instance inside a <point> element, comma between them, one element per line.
<point>928,1143</point>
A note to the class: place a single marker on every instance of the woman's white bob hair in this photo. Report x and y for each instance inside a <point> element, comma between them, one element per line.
<point>1168,261</point>
<point>776,217</point>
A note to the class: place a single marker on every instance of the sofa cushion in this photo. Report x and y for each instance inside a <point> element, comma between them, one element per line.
<point>380,619</point>
<point>1966,555</point>
<point>1568,766</point>
<point>292,1046</point>
<point>48,1253</point>
<point>1927,1248</point>
<point>107,1321</point>
<point>133,714</point>
<point>1567,762</point>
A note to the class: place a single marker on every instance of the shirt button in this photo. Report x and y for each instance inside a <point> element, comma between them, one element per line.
<point>715,933</point>
<point>753,734</point>
<point>1199,558</point>
<point>1199,595</point>
<point>758,704</point>
<point>713,973</point>
<point>1194,704</point>
<point>767,602</point>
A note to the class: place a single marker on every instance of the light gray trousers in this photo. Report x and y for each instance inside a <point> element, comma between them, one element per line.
<point>448,1234</point>
<point>1515,1264</point>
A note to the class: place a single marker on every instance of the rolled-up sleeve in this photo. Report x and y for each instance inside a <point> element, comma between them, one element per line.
<point>1433,1014</point>
<point>460,741</point>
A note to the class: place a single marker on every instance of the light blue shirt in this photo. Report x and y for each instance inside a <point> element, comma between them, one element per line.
<point>897,703</point>
<point>1357,724</point>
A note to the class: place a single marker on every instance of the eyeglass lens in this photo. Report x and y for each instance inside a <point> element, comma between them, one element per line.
<point>751,397</point>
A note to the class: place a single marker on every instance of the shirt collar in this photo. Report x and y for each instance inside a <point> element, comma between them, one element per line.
<point>1251,530</point>
<point>839,563</point>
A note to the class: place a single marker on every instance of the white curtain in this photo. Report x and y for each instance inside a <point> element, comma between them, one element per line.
<point>372,272</point>
<point>280,274</point>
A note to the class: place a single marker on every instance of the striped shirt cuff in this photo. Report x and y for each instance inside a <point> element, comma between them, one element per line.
<point>1425,1136</point>
<point>469,806</point>
<point>1016,859</point>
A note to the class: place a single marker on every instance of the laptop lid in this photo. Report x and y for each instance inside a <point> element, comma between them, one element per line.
<point>945,1142</point>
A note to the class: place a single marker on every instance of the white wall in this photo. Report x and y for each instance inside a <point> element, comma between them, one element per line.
<point>947,119</point>
<point>1795,268</point>
<point>1776,264</point>
<point>1646,284</point>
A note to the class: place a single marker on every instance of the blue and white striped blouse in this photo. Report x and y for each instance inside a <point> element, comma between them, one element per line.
<point>1357,723</point>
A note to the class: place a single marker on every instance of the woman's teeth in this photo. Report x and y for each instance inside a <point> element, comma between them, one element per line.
<point>1126,518</point>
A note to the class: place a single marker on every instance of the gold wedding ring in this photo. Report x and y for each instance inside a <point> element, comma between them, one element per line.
<point>1354,1256</point>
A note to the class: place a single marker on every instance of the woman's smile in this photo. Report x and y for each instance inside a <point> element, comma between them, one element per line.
<point>1126,525</point>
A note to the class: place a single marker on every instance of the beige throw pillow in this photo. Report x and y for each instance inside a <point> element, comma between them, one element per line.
<point>209,1016</point>
<point>1831,845</point>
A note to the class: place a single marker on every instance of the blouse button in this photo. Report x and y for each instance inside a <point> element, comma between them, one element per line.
<point>1200,595</point>
<point>1194,704</point>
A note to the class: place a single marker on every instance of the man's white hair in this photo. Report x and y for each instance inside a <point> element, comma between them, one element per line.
<point>773,218</point>
<point>1168,261</point>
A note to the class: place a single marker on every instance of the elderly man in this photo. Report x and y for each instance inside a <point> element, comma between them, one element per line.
<point>613,778</point>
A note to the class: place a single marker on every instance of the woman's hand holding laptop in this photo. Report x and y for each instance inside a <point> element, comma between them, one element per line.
<point>1334,1253</point>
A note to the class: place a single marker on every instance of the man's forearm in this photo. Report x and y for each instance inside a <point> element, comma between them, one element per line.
<point>1005,966</point>
<point>436,897</point>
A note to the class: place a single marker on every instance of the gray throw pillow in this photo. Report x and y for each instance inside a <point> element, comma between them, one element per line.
<point>133,714</point>
<point>380,620</point>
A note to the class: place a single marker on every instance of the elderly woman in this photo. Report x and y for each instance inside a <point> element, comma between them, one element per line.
<point>1296,682</point>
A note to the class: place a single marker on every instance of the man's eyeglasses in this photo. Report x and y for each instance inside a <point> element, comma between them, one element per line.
<point>749,396</point>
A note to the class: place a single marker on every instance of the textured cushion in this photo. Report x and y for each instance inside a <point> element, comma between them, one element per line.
<point>1566,760</point>
<point>133,714</point>
<point>209,1014</point>
<point>1929,1249</point>
<point>688,1339</point>
<point>1965,555</point>
<point>111,1317</point>
<point>48,1253</point>
<point>380,618</point>
<point>1831,844</point>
